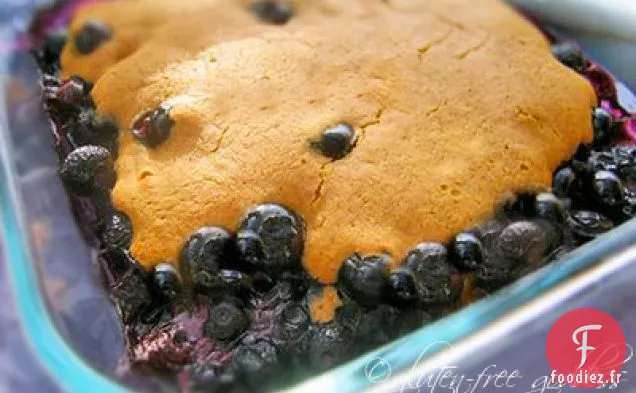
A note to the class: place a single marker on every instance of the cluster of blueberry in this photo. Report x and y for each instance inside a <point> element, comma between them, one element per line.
<point>233,312</point>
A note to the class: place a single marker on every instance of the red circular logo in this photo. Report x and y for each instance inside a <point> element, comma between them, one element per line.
<point>586,348</point>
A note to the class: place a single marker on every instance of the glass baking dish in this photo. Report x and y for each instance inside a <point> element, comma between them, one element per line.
<point>65,315</point>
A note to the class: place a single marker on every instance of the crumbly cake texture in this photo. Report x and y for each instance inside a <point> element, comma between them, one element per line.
<point>454,105</point>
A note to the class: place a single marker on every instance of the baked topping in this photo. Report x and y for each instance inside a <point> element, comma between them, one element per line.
<point>449,120</point>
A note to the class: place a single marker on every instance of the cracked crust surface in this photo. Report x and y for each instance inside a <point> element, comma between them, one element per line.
<point>454,106</point>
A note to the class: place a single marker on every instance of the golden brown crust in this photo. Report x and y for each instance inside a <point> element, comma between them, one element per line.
<point>454,105</point>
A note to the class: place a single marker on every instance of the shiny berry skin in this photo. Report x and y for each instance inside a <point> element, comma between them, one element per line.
<point>329,345</point>
<point>70,96</point>
<point>53,45</point>
<point>154,127</point>
<point>563,182</point>
<point>276,12</point>
<point>601,161</point>
<point>88,169</point>
<point>336,141</point>
<point>92,35</point>
<point>608,188</point>
<point>587,225</point>
<point>270,238</point>
<point>602,125</point>
<point>570,55</point>
<point>87,128</point>
<point>202,255</point>
<point>467,251</point>
<point>629,209</point>
<point>291,325</point>
<point>255,360</point>
<point>402,289</point>
<point>378,326</point>
<point>210,380</point>
<point>624,155</point>
<point>424,255</point>
<point>226,320</point>
<point>131,293</point>
<point>233,282</point>
<point>436,280</point>
<point>166,281</point>
<point>548,207</point>
<point>118,231</point>
<point>625,159</point>
<point>522,242</point>
<point>364,279</point>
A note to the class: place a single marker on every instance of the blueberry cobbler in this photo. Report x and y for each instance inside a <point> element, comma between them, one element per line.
<point>279,186</point>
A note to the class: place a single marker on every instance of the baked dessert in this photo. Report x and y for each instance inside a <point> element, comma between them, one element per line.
<point>296,182</point>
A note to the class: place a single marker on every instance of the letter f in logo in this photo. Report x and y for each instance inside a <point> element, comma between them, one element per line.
<point>584,348</point>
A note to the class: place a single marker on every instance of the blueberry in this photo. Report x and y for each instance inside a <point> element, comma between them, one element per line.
<point>336,141</point>
<point>118,231</point>
<point>602,125</point>
<point>625,159</point>
<point>92,34</point>
<point>586,225</point>
<point>601,161</point>
<point>377,326</point>
<point>411,319</point>
<point>494,274</point>
<point>608,189</point>
<point>88,169</point>
<point>329,345</point>
<point>436,280</point>
<point>299,282</point>
<point>270,238</point>
<point>467,251</point>
<point>522,242</point>
<point>72,95</point>
<point>425,255</point>
<point>370,328</point>
<point>564,182</point>
<point>53,45</point>
<point>226,321</point>
<point>624,155</point>
<point>218,285</point>
<point>402,289</point>
<point>89,129</point>
<point>629,208</point>
<point>118,261</point>
<point>165,281</point>
<point>276,12</point>
<point>210,380</point>
<point>131,293</point>
<point>292,325</point>
<point>234,281</point>
<point>201,256</point>
<point>548,207</point>
<point>255,361</point>
<point>364,279</point>
<point>154,127</point>
<point>261,282</point>
<point>570,55</point>
<point>522,204</point>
